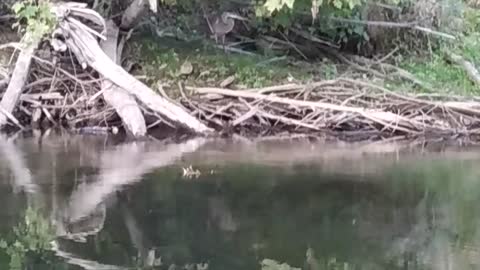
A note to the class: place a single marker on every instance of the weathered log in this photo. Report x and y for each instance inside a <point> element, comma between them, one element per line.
<point>81,41</point>
<point>124,104</point>
<point>17,81</point>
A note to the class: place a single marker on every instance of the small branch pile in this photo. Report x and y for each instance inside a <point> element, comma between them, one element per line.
<point>58,89</point>
<point>347,106</point>
<point>119,89</point>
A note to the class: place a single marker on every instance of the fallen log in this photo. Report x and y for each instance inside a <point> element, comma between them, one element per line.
<point>80,39</point>
<point>124,104</point>
<point>17,82</point>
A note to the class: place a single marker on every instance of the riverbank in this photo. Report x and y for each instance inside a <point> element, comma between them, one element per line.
<point>255,94</point>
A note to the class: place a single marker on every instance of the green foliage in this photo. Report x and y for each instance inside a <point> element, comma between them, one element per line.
<point>31,240</point>
<point>446,77</point>
<point>37,18</point>
<point>271,6</point>
<point>275,15</point>
<point>472,20</point>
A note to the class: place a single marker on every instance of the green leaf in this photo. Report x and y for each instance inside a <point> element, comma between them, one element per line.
<point>338,4</point>
<point>29,11</point>
<point>274,5</point>
<point>18,6</point>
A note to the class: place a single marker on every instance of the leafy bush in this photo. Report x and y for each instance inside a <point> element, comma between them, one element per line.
<point>37,17</point>
<point>31,240</point>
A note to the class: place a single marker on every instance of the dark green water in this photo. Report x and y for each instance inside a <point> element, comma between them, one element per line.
<point>129,206</point>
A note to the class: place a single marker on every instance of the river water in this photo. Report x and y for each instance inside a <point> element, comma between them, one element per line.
<point>71,202</point>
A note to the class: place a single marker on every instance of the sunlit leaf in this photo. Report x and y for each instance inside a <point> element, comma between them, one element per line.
<point>274,5</point>
<point>17,7</point>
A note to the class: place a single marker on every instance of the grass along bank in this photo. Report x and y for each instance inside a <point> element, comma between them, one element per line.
<point>198,63</point>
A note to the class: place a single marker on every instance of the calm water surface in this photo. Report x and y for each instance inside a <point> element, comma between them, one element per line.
<point>309,205</point>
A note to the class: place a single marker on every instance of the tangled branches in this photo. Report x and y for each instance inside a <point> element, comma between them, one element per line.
<point>59,91</point>
<point>347,106</point>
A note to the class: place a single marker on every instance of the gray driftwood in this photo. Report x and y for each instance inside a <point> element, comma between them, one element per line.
<point>15,86</point>
<point>81,40</point>
<point>125,104</point>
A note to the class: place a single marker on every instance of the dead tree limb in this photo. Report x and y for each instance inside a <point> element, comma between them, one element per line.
<point>125,104</point>
<point>82,42</point>
<point>17,81</point>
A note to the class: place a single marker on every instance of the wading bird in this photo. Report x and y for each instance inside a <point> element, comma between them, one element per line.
<point>224,25</point>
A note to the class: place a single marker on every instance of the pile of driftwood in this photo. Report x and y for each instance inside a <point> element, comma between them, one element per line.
<point>91,47</point>
<point>342,106</point>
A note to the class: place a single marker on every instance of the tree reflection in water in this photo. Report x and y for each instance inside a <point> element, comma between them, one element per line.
<point>124,206</point>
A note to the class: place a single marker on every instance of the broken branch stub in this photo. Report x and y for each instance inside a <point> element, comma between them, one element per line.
<point>87,50</point>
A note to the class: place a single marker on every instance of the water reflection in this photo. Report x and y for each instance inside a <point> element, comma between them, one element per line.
<point>118,206</point>
<point>13,159</point>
